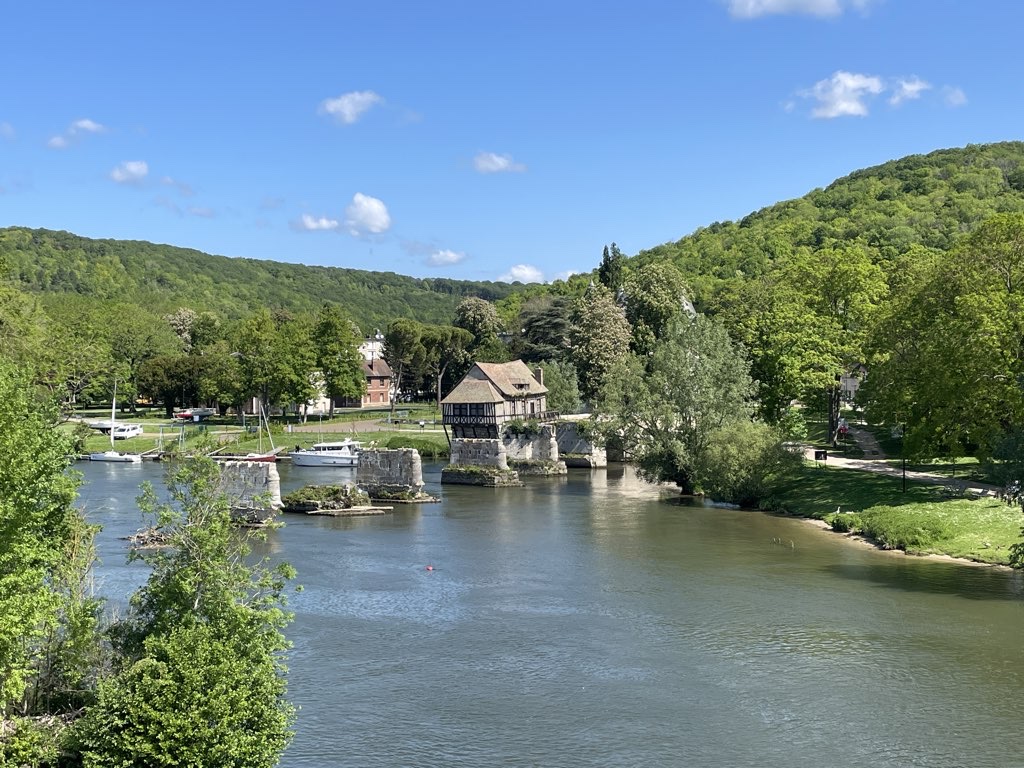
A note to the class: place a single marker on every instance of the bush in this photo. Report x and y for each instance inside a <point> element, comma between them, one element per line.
<point>740,461</point>
<point>427,448</point>
<point>845,522</point>
<point>525,429</point>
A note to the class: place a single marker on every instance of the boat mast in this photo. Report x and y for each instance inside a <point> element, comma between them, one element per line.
<point>113,405</point>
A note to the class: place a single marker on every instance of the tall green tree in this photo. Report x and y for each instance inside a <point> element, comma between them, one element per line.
<point>653,294</point>
<point>480,318</point>
<point>946,359</point>
<point>336,341</point>
<point>563,386</point>
<point>610,272</point>
<point>445,347</point>
<point>47,620</point>
<point>599,336</point>
<point>668,411</point>
<point>403,350</point>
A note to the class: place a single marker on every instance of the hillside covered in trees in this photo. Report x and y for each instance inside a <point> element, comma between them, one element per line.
<point>928,201</point>
<point>163,278</point>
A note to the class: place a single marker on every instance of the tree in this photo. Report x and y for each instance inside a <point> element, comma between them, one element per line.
<point>946,360</point>
<point>48,622</point>
<point>653,295</point>
<point>563,386</point>
<point>403,350</point>
<point>668,411</point>
<point>336,340</point>
<point>609,273</point>
<point>276,358</point>
<point>444,346</point>
<point>200,677</point>
<point>544,324</point>
<point>599,336</point>
<point>480,318</point>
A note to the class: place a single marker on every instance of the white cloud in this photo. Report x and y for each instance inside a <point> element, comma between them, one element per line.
<point>445,258</point>
<point>843,94</point>
<point>367,215</point>
<point>6,131</point>
<point>907,89</point>
<point>130,172</point>
<point>565,275</point>
<point>85,125</point>
<point>752,9</point>
<point>955,97</point>
<point>349,107</point>
<point>74,131</point>
<point>523,273</point>
<point>489,162</point>
<point>314,224</point>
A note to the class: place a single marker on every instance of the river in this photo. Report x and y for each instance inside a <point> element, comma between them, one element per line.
<point>586,622</point>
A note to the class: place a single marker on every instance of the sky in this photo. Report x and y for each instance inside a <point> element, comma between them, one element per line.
<point>475,140</point>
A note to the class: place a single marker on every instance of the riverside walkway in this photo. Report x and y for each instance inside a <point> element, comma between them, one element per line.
<point>875,461</point>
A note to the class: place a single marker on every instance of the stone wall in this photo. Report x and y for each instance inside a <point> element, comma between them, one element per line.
<point>576,450</point>
<point>385,473</point>
<point>541,447</point>
<point>253,489</point>
<point>478,453</point>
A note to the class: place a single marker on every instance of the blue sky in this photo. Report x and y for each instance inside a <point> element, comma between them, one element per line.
<point>475,140</point>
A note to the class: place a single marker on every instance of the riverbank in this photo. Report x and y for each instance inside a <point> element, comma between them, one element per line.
<point>926,520</point>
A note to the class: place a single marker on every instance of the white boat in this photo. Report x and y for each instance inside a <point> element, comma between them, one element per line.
<point>338,454</point>
<point>116,456</point>
<point>118,432</point>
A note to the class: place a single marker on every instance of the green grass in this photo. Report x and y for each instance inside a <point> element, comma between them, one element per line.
<point>918,521</point>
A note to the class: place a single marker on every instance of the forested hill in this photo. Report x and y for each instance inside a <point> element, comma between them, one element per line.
<point>923,200</point>
<point>163,278</point>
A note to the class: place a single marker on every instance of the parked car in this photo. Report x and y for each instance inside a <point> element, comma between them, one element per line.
<point>124,431</point>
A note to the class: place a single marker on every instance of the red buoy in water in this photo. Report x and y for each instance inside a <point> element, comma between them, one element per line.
<point>430,568</point>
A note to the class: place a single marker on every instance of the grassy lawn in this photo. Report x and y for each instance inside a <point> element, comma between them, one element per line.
<point>918,521</point>
<point>430,444</point>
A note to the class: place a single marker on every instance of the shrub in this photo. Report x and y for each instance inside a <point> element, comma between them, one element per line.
<point>427,448</point>
<point>845,522</point>
<point>520,428</point>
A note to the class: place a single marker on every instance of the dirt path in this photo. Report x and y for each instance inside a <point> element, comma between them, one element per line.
<point>874,461</point>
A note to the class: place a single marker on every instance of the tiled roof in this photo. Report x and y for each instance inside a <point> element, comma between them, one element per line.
<point>512,379</point>
<point>377,367</point>
<point>501,381</point>
<point>473,391</point>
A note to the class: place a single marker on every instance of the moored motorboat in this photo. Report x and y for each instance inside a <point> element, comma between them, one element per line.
<point>337,454</point>
<point>116,456</point>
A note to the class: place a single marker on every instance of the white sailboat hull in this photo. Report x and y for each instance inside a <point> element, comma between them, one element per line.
<point>115,456</point>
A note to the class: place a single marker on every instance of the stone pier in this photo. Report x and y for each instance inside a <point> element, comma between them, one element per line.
<point>393,474</point>
<point>253,489</point>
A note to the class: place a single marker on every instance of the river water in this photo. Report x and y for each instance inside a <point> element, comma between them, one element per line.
<point>586,622</point>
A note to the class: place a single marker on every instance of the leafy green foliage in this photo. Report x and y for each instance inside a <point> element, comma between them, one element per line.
<point>653,294</point>
<point>669,413</point>
<point>336,341</point>
<point>599,337</point>
<point>38,526</point>
<point>200,678</point>
<point>163,278</point>
<point>563,386</point>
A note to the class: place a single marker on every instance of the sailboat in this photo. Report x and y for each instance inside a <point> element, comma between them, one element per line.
<point>260,455</point>
<point>113,455</point>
